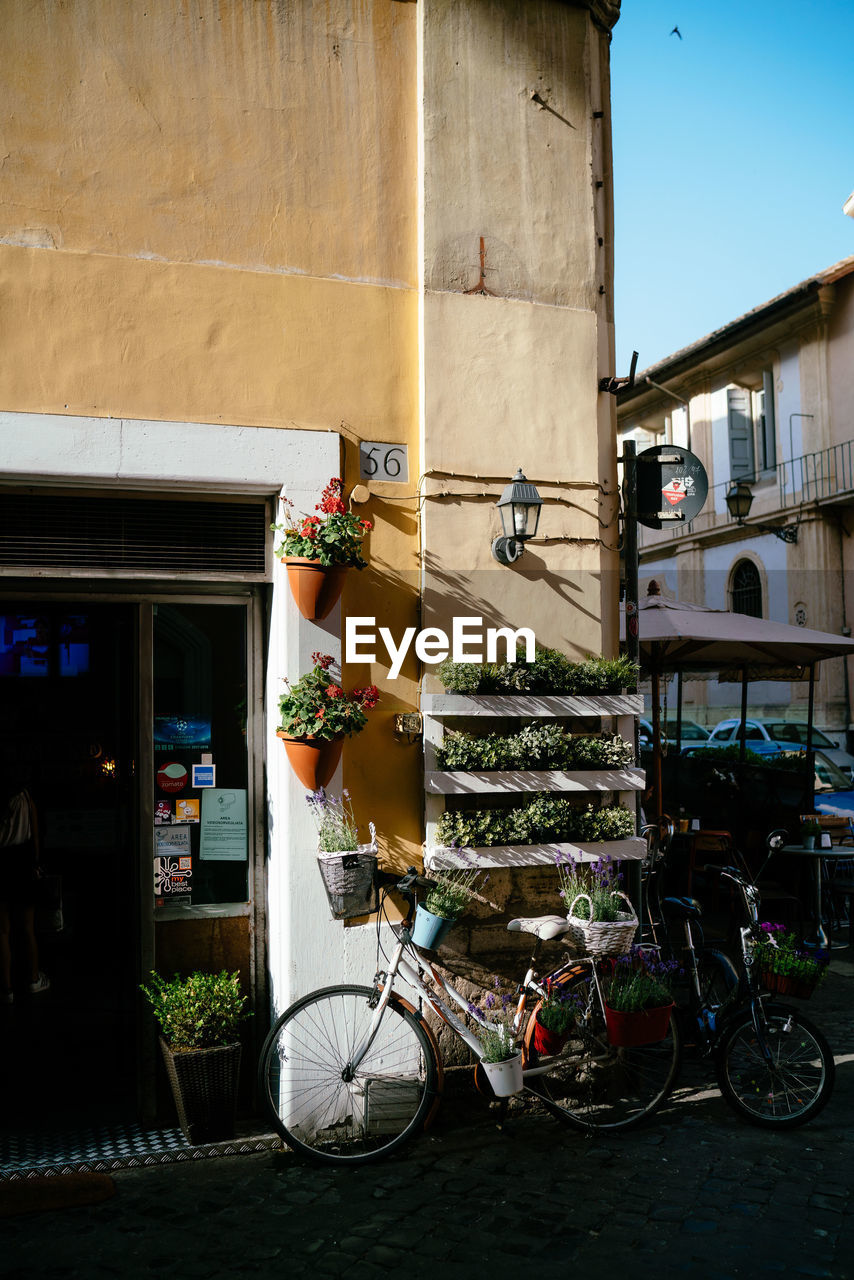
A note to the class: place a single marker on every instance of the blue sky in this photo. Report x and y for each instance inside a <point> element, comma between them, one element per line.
<point>733,156</point>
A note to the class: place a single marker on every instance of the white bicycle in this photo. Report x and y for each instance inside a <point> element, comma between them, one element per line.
<point>349,1073</point>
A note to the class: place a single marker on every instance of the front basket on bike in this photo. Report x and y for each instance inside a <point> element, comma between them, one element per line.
<point>350,881</point>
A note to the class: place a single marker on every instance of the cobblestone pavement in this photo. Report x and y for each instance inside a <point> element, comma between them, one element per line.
<point>694,1192</point>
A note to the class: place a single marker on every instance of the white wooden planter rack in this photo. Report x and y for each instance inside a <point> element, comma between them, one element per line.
<point>624,783</point>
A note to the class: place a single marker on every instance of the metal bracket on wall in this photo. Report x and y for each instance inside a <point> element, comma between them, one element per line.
<point>613,385</point>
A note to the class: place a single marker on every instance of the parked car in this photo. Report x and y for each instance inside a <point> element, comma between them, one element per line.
<point>833,791</point>
<point>692,733</point>
<point>769,736</point>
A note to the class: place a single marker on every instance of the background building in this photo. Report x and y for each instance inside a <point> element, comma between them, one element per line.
<point>765,403</point>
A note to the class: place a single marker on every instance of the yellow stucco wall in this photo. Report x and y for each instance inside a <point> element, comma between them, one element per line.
<point>208,213</point>
<point>248,133</point>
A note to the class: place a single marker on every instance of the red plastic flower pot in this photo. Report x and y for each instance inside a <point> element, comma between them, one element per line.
<point>548,1043</point>
<point>627,1030</point>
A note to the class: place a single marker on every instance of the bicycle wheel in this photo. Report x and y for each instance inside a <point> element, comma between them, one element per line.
<point>593,1084</point>
<point>788,1087</point>
<point>324,1109</point>
<point>718,978</point>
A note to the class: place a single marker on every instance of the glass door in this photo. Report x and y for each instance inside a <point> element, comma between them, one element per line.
<point>68,732</point>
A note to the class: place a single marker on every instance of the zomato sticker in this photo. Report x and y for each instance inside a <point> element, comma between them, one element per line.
<point>172,777</point>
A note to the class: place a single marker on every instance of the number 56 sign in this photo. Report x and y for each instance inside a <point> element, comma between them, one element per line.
<point>379,460</point>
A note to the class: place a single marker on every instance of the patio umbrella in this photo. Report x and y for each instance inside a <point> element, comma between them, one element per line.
<point>679,637</point>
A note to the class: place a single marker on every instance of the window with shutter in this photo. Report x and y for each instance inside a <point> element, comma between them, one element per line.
<point>740,421</point>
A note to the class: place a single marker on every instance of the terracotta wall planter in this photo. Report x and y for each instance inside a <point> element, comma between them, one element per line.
<point>313,760</point>
<point>314,587</point>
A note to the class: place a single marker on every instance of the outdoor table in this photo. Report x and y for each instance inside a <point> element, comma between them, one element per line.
<point>817,855</point>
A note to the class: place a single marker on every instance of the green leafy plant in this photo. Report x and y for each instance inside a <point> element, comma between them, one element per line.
<point>638,981</point>
<point>732,753</point>
<point>599,880</point>
<point>551,672</point>
<point>779,950</point>
<point>542,819</point>
<point>334,537</point>
<point>202,1011</point>
<point>535,746</point>
<point>317,707</point>
<point>810,827</point>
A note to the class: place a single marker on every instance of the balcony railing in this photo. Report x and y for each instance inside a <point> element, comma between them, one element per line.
<point>813,477</point>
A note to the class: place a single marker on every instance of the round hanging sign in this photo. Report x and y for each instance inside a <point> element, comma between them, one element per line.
<point>672,486</point>
<point>172,776</point>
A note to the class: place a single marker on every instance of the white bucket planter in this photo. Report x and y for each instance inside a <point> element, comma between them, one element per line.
<point>504,1077</point>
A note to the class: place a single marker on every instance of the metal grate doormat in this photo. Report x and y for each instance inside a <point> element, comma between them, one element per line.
<point>147,536</point>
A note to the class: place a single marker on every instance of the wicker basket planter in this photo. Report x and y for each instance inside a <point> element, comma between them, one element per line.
<point>603,937</point>
<point>350,880</point>
<point>204,1085</point>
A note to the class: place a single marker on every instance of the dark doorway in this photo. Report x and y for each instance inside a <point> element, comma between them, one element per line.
<point>68,683</point>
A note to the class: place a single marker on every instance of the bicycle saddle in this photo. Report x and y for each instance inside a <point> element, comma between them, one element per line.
<point>684,908</point>
<point>544,927</point>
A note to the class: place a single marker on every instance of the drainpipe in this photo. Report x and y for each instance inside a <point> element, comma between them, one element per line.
<point>674,396</point>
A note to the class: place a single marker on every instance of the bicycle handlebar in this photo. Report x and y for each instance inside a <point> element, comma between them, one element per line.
<point>406,885</point>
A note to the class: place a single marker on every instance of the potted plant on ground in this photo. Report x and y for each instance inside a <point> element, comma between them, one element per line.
<point>603,920</point>
<point>316,716</point>
<point>446,901</point>
<point>638,998</point>
<point>347,868</point>
<point>199,1018</point>
<point>318,550</point>
<point>785,966</point>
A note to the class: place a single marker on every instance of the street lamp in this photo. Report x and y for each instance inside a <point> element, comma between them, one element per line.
<point>519,507</point>
<point>739,500</point>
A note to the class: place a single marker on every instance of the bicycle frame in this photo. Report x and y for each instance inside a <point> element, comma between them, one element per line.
<point>384,984</point>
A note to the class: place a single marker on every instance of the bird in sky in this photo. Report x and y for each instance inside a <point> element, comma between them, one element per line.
<point>676,32</point>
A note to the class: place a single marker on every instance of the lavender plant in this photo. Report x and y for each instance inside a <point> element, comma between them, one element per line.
<point>600,880</point>
<point>498,1039</point>
<point>336,825</point>
<point>638,981</point>
<point>559,1010</point>
<point>454,889</point>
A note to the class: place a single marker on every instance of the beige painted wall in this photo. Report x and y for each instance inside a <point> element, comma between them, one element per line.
<point>511,376</point>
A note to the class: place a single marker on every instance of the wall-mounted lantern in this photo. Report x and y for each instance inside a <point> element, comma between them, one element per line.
<point>739,500</point>
<point>519,506</point>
